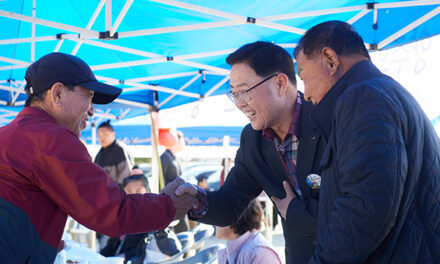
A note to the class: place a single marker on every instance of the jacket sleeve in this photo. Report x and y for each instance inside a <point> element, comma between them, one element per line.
<point>369,164</point>
<point>228,203</point>
<point>83,190</point>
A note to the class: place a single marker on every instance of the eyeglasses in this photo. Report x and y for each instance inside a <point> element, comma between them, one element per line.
<point>244,94</point>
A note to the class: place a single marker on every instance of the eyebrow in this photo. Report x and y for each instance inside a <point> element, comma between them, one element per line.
<point>239,85</point>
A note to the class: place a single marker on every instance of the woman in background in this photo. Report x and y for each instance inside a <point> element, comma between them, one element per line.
<point>244,243</point>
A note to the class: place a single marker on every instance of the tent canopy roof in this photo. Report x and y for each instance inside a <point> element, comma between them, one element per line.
<point>178,48</point>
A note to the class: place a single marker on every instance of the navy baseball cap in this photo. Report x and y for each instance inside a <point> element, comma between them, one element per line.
<point>69,70</point>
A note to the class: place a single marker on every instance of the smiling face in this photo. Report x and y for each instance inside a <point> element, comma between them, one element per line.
<point>262,108</point>
<point>76,109</point>
<point>315,75</point>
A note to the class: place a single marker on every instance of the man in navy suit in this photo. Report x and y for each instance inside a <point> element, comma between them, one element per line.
<point>279,150</point>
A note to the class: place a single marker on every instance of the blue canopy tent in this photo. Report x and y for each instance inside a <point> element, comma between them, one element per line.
<point>167,53</point>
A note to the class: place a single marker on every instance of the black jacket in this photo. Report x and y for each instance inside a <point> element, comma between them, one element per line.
<point>258,167</point>
<point>170,166</point>
<point>380,189</point>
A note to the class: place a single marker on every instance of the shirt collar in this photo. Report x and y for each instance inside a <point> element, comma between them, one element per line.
<point>294,129</point>
<point>233,247</point>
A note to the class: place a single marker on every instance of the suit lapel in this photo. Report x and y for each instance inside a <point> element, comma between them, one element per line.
<point>307,148</point>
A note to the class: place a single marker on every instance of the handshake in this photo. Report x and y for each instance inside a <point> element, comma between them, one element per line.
<point>183,195</point>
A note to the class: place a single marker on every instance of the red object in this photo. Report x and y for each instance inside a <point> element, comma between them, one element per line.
<point>166,138</point>
<point>47,172</point>
<point>222,177</point>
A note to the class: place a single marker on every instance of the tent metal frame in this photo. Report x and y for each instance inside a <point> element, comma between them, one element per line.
<point>87,36</point>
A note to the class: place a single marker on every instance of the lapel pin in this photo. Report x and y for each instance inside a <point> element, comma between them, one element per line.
<point>314,181</point>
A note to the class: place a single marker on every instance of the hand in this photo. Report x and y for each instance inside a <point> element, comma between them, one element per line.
<point>187,188</point>
<point>184,202</point>
<point>171,187</point>
<point>283,204</point>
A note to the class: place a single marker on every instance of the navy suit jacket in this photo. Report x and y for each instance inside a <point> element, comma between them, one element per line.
<point>258,167</point>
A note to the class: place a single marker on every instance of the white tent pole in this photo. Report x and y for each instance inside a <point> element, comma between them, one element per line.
<point>375,16</point>
<point>8,115</point>
<point>152,55</point>
<point>215,73</point>
<point>408,28</point>
<point>163,77</point>
<point>215,87</point>
<point>123,113</point>
<point>407,4</point>
<point>262,22</point>
<point>348,9</point>
<point>199,9</point>
<point>128,64</point>
<point>202,66</point>
<point>14,61</point>
<point>58,46</point>
<point>123,49</point>
<point>145,32</point>
<point>9,112</point>
<point>156,60</point>
<point>26,40</point>
<point>131,103</point>
<point>106,114</point>
<point>108,15</point>
<point>160,89</point>
<point>120,17</point>
<point>95,14</point>
<point>11,89</point>
<point>204,54</point>
<point>156,167</point>
<point>86,32</point>
<point>89,25</point>
<point>93,128</point>
<point>107,79</point>
<point>34,4</point>
<point>314,13</point>
<point>14,98</point>
<point>3,68</point>
<point>204,10</point>
<point>358,16</point>
<point>180,89</point>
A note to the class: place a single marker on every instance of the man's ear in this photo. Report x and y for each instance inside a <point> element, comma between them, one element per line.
<point>281,83</point>
<point>330,60</point>
<point>56,92</point>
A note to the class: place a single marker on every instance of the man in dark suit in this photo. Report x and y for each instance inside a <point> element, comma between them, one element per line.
<point>279,150</point>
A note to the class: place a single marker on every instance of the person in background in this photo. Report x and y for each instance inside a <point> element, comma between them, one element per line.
<point>202,180</point>
<point>172,169</point>
<point>46,172</point>
<point>171,166</point>
<point>126,245</point>
<point>380,194</point>
<point>113,156</point>
<point>280,150</point>
<point>226,163</point>
<point>244,243</point>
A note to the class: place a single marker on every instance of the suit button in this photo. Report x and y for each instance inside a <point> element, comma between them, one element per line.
<point>313,138</point>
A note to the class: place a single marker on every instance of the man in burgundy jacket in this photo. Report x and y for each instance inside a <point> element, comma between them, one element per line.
<point>47,174</point>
